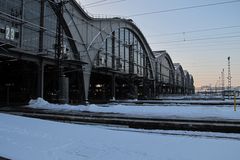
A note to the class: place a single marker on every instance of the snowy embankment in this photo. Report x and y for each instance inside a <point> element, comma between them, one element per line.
<point>27,139</point>
<point>161,111</point>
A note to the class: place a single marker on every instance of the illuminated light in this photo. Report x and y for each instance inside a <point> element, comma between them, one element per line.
<point>98,85</point>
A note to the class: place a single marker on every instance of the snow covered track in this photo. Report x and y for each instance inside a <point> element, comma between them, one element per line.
<point>226,126</point>
<point>180,102</point>
<point>34,139</point>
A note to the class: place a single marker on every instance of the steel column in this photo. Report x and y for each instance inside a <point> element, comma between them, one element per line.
<point>113,86</point>
<point>42,12</point>
<point>40,80</point>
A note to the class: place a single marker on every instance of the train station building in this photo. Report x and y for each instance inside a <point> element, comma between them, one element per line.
<point>53,49</point>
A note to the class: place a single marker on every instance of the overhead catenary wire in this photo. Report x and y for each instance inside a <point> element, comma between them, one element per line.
<point>27,22</point>
<point>195,31</point>
<point>206,44</point>
<point>201,30</point>
<point>215,42</point>
<point>197,39</point>
<point>31,24</point>
<point>107,3</point>
<point>184,39</point>
<point>93,3</point>
<point>183,8</point>
<point>53,31</point>
<point>204,29</point>
<point>209,30</point>
<point>214,51</point>
<point>209,46</point>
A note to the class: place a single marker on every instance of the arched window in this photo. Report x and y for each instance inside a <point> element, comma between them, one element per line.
<point>124,52</point>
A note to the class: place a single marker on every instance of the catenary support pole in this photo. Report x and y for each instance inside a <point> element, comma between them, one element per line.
<point>235,102</point>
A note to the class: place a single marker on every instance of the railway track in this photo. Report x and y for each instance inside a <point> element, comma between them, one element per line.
<point>178,102</point>
<point>224,126</point>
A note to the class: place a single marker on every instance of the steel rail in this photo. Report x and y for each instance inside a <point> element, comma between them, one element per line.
<point>224,126</point>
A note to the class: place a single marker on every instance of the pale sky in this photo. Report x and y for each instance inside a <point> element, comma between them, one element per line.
<point>200,39</point>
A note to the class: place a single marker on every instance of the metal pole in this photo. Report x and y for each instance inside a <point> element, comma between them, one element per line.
<point>62,80</point>
<point>229,78</point>
<point>223,85</point>
<point>235,102</point>
<point>21,25</point>
<point>42,10</point>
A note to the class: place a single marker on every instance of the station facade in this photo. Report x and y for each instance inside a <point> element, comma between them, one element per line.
<point>53,49</point>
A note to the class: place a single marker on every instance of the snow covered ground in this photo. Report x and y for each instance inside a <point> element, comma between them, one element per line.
<point>162,111</point>
<point>220,101</point>
<point>193,97</point>
<point>27,139</point>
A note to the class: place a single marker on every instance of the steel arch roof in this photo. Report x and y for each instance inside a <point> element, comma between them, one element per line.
<point>163,54</point>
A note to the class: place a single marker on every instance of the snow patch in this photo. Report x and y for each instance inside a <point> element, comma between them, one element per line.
<point>38,102</point>
<point>162,111</point>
